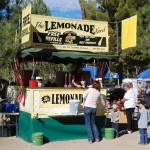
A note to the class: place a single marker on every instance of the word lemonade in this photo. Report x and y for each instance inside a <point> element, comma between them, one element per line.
<point>57,25</point>
<point>61,98</point>
<point>60,32</point>
<point>71,37</point>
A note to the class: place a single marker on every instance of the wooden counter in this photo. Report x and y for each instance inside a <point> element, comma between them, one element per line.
<point>51,101</point>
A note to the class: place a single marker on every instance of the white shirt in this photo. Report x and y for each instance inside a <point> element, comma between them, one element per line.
<point>92,96</point>
<point>130,96</point>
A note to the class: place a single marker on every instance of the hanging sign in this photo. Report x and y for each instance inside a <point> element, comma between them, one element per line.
<point>26,20</point>
<point>67,34</point>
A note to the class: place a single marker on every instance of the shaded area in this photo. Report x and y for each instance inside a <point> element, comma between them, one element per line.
<point>56,128</point>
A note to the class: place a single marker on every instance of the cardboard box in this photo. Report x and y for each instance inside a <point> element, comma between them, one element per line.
<point>123,118</point>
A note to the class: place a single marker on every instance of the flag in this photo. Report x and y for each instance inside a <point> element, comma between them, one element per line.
<point>102,68</point>
<point>19,78</point>
<point>128,32</point>
<point>18,72</point>
<point>21,97</point>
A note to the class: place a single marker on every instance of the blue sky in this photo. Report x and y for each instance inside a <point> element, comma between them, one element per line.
<point>64,8</point>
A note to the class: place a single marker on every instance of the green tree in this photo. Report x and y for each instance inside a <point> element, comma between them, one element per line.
<point>8,29</point>
<point>40,8</point>
<point>118,10</point>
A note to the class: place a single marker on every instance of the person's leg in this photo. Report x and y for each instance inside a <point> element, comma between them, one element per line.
<point>113,126</point>
<point>141,131</point>
<point>87,118</point>
<point>129,113</point>
<point>116,129</point>
<point>94,127</point>
<point>145,136</point>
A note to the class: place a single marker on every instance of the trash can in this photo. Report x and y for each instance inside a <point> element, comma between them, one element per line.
<point>109,133</point>
<point>74,106</point>
<point>37,138</point>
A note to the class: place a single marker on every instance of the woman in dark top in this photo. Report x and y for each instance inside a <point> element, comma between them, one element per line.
<point>77,76</point>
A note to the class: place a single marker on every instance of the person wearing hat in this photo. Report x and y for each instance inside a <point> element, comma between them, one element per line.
<point>115,117</point>
<point>143,122</point>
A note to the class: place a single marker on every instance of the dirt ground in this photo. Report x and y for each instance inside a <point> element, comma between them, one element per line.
<point>125,142</point>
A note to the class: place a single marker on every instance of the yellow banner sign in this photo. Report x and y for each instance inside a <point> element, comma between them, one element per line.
<point>68,34</point>
<point>26,20</point>
<point>128,35</point>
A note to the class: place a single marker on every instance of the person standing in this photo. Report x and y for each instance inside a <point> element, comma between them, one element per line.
<point>92,96</point>
<point>129,101</point>
<point>115,116</point>
<point>143,123</point>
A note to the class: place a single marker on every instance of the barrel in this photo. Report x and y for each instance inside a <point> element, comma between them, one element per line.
<point>109,133</point>
<point>74,106</point>
<point>37,138</point>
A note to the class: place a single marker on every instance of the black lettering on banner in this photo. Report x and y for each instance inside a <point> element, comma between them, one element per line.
<point>46,99</point>
<point>25,32</point>
<point>67,98</point>
<point>62,98</point>
<point>57,98</point>
<point>26,20</point>
<point>81,98</point>
<point>57,25</point>
<point>76,96</point>
<point>53,99</point>
<point>71,96</point>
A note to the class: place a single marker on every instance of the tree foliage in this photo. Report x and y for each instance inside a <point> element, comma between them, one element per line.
<point>113,11</point>
<point>116,11</point>
<point>9,29</point>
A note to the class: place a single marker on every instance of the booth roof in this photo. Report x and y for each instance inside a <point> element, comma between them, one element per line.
<point>60,56</point>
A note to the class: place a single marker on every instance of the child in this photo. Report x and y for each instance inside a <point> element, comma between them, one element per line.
<point>142,123</point>
<point>115,116</point>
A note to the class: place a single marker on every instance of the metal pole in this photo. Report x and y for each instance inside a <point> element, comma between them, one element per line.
<point>117,36</point>
<point>117,45</point>
<point>19,37</point>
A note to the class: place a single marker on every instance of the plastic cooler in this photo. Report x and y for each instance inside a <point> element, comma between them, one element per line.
<point>10,108</point>
<point>74,106</point>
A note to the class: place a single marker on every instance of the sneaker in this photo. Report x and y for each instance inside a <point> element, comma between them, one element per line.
<point>141,143</point>
<point>129,132</point>
<point>146,143</point>
<point>96,140</point>
<point>90,142</point>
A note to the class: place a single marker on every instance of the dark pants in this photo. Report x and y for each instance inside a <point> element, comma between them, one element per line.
<point>129,113</point>
<point>143,135</point>
<point>116,126</point>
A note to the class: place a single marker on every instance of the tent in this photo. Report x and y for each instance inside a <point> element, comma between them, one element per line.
<point>109,76</point>
<point>61,56</point>
<point>112,76</point>
<point>144,74</point>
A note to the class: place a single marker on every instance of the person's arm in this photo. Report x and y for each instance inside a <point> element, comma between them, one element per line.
<point>74,83</point>
<point>138,115</point>
<point>123,100</point>
<point>85,94</point>
<point>103,101</point>
<point>118,117</point>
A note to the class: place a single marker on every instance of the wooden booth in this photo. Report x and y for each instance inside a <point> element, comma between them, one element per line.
<point>46,109</point>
